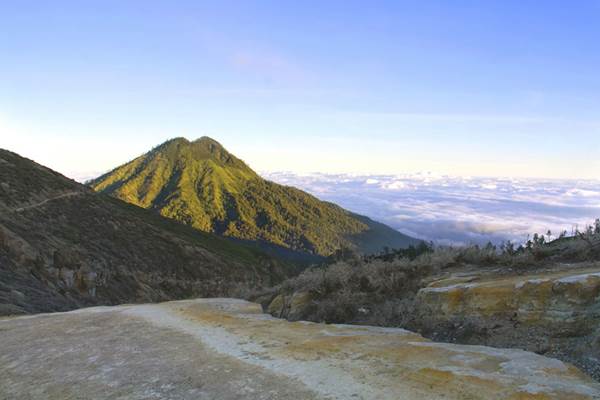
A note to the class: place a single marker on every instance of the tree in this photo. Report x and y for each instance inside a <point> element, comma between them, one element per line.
<point>508,248</point>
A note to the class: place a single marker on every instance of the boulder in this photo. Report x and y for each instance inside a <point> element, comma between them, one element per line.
<point>277,308</point>
<point>301,305</point>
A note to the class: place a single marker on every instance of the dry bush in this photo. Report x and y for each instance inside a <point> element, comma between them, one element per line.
<point>380,290</point>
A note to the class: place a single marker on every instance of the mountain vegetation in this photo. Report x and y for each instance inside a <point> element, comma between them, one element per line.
<point>202,185</point>
<point>63,246</point>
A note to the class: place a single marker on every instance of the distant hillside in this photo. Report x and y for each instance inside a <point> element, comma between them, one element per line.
<point>203,185</point>
<point>63,246</point>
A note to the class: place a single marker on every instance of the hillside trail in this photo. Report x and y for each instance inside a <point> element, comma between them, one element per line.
<point>41,203</point>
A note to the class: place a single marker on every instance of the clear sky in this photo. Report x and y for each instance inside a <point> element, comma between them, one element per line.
<point>504,88</point>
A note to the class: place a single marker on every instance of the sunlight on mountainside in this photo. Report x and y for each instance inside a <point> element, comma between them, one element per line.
<point>201,184</point>
<point>424,223</point>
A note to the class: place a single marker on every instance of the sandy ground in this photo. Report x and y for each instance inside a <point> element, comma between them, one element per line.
<point>228,349</point>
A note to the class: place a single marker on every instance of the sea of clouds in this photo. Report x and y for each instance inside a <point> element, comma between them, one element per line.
<point>458,210</point>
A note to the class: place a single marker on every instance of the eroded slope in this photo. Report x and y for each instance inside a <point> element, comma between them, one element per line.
<point>554,311</point>
<point>63,246</point>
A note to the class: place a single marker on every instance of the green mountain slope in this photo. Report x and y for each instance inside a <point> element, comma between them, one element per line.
<point>64,246</point>
<point>201,184</point>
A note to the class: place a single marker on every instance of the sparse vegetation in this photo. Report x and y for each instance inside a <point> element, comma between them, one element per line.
<point>474,303</point>
<point>385,284</point>
<point>89,248</point>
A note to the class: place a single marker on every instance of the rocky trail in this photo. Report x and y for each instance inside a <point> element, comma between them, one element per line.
<point>229,349</point>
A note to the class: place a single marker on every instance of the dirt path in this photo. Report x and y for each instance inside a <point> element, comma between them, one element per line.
<point>41,203</point>
<point>228,349</point>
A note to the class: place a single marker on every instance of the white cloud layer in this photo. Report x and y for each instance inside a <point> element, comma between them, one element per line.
<point>455,210</point>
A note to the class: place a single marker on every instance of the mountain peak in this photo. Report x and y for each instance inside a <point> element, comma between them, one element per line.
<point>201,141</point>
<point>180,150</point>
<point>206,140</point>
<point>201,184</point>
<point>208,145</point>
<point>175,140</point>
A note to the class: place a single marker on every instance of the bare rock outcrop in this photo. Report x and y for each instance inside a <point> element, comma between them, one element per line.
<point>555,312</point>
<point>297,306</point>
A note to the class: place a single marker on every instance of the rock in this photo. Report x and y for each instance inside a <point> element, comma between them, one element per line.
<point>301,305</point>
<point>228,349</point>
<point>557,311</point>
<point>295,307</point>
<point>277,308</point>
<point>67,276</point>
<point>16,246</point>
<point>85,281</point>
<point>558,301</point>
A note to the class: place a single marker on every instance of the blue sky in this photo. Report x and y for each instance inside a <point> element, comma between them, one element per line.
<point>506,88</point>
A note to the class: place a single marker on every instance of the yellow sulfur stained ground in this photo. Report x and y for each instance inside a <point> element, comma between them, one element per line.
<point>228,349</point>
